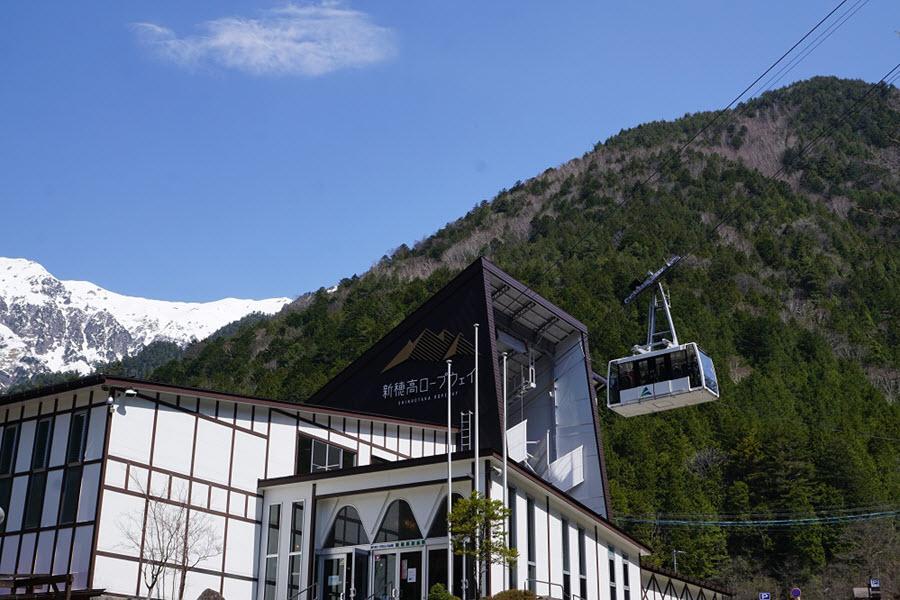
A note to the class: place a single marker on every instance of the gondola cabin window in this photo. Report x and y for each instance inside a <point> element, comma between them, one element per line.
<point>661,380</point>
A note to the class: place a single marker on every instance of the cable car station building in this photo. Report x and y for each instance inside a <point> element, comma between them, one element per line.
<point>344,496</point>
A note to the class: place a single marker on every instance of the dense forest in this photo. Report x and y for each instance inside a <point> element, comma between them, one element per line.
<point>796,296</point>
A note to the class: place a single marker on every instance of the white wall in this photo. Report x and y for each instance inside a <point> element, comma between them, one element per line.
<point>217,470</point>
<point>548,527</point>
<point>575,421</point>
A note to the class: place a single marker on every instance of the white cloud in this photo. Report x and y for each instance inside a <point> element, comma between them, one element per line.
<point>298,39</point>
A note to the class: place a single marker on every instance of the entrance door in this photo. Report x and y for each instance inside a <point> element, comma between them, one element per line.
<point>384,582</point>
<point>334,578</point>
<point>360,588</point>
<point>411,575</point>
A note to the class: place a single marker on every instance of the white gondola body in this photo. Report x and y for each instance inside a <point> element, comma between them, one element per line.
<point>660,380</point>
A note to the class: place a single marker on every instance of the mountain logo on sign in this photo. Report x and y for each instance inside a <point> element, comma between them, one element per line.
<point>432,347</point>
<point>646,392</point>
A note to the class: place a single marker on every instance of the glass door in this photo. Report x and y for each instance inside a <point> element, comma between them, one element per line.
<point>384,581</point>
<point>411,575</point>
<point>360,588</point>
<point>334,577</point>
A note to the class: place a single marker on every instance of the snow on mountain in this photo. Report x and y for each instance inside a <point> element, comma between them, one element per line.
<point>48,324</point>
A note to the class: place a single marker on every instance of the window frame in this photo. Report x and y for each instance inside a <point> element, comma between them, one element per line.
<point>566,561</point>
<point>270,581</point>
<point>295,551</point>
<point>307,461</point>
<point>531,543</point>
<point>611,553</point>
<point>582,563</point>
<point>8,450</point>
<point>330,541</point>
<point>79,452</point>
<point>399,502</point>
<point>37,476</point>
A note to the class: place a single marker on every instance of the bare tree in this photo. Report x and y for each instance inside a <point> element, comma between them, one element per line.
<point>169,538</point>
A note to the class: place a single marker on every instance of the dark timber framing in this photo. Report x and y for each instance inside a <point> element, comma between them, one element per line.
<point>50,406</point>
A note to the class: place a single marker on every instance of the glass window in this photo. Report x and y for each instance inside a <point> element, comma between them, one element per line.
<point>532,551</point>
<point>295,552</point>
<point>7,460</point>
<point>274,525</point>
<point>625,574</point>
<point>347,530</point>
<point>694,368</point>
<point>627,376</point>
<point>8,449</point>
<point>77,437</point>
<point>612,385</point>
<point>709,372</point>
<point>651,369</point>
<point>70,489</point>
<point>41,453</point>
<point>398,524</point>
<point>612,573</point>
<point>582,564</point>
<point>34,500</point>
<point>271,577</point>
<point>319,456</point>
<point>643,372</point>
<point>304,455</point>
<point>314,456</point>
<point>348,459</point>
<point>439,523</point>
<point>5,492</point>
<point>660,368</point>
<point>566,561</point>
<point>297,527</point>
<point>334,458</point>
<point>678,363</point>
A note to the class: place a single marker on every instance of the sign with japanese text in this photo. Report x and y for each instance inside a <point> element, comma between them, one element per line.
<point>404,374</point>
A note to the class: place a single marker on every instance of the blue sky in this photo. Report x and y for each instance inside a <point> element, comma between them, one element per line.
<point>196,150</point>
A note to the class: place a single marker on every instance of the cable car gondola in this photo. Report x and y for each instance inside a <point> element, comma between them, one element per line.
<point>661,374</point>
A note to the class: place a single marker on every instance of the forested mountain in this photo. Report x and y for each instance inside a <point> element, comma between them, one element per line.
<point>795,296</point>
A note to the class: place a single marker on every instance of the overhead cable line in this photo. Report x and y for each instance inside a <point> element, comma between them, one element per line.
<point>706,126</point>
<point>886,80</point>
<point>810,47</point>
<point>768,515</point>
<point>764,523</point>
<point>805,51</point>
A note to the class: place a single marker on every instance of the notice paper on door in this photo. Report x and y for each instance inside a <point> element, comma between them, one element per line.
<point>410,575</point>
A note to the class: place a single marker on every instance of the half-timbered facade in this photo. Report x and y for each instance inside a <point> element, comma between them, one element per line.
<point>80,460</point>
<point>340,496</point>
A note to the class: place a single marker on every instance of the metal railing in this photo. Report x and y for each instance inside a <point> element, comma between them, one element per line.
<point>550,584</point>
<point>296,595</point>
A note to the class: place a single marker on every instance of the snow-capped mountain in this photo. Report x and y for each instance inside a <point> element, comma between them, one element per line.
<point>47,324</point>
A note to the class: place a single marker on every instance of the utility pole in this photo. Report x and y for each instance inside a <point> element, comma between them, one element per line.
<point>675,554</point>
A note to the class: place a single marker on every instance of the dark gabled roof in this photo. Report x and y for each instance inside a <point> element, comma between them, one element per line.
<point>518,294</point>
<point>119,381</point>
<point>52,389</point>
<point>422,312</point>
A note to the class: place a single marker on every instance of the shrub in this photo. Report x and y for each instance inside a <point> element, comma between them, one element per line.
<point>515,595</point>
<point>439,592</point>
